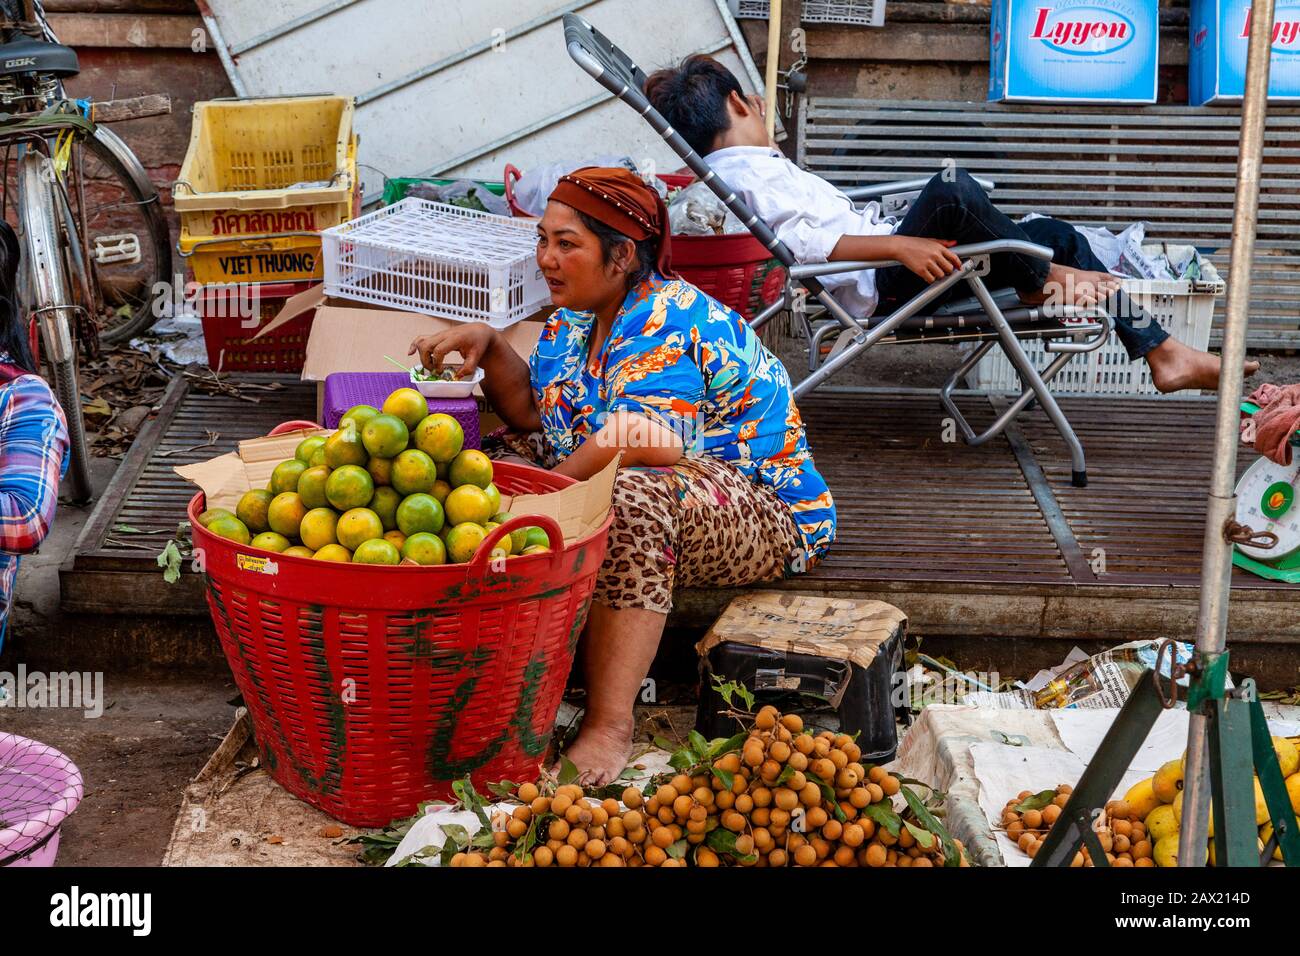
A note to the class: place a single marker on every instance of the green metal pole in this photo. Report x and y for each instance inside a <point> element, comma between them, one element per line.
<point>1216,563</point>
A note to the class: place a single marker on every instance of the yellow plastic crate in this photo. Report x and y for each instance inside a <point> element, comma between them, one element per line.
<point>245,154</point>
<point>291,258</point>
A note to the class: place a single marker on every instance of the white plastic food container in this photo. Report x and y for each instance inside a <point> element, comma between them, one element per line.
<point>438,388</point>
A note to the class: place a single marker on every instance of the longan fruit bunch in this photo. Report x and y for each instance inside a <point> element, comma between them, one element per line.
<point>1123,841</point>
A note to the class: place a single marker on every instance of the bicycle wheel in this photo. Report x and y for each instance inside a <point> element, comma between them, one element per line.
<point>52,299</point>
<point>128,246</point>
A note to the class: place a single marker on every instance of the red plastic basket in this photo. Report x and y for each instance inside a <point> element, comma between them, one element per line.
<point>513,174</point>
<point>229,335</point>
<point>373,688</point>
<point>736,270</point>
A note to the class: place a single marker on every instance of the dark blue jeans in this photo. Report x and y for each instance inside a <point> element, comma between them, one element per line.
<point>959,209</point>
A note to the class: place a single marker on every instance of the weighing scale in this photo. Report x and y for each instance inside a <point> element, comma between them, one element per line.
<point>1266,503</point>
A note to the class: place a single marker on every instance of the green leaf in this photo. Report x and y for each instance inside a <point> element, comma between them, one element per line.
<point>720,746</point>
<point>884,815</point>
<point>726,776</point>
<point>568,772</point>
<point>924,837</point>
<point>455,834</point>
<point>722,840</point>
<point>1036,802</point>
<point>483,838</point>
<point>699,746</point>
<point>126,529</point>
<point>746,696</point>
<point>665,744</point>
<point>677,850</point>
<point>504,789</point>
<point>786,773</point>
<point>684,759</point>
<point>471,800</point>
<point>170,561</point>
<point>951,855</point>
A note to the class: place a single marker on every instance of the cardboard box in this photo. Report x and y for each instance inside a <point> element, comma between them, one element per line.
<point>1220,33</point>
<point>579,509</point>
<point>1074,51</point>
<point>349,336</point>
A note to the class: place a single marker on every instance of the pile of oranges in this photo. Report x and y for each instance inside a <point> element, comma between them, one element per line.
<point>1028,817</point>
<point>391,485</point>
<point>782,796</point>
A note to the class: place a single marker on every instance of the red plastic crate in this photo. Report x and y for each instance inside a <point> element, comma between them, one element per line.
<point>230,342</point>
<point>736,270</point>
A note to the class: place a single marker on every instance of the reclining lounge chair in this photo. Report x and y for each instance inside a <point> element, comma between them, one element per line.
<point>989,318</point>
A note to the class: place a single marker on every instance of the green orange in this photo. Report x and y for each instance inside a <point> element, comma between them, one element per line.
<point>536,549</point>
<point>468,503</point>
<point>228,526</point>
<point>317,528</point>
<point>298,551</point>
<point>317,458</point>
<point>376,551</point>
<point>439,436</point>
<point>420,512</point>
<point>413,472</point>
<point>463,540</point>
<point>494,496</point>
<point>440,490</point>
<point>384,504</point>
<point>381,470</point>
<point>252,508</point>
<point>333,552</point>
<point>285,476</point>
<point>537,537</point>
<point>408,405</point>
<point>425,548</point>
<point>358,526</point>
<point>349,487</point>
<point>307,447</point>
<point>311,486</point>
<point>518,538</point>
<point>344,447</point>
<point>286,513</point>
<point>385,435</point>
<point>470,467</point>
<point>212,514</point>
<point>359,415</point>
<point>271,541</point>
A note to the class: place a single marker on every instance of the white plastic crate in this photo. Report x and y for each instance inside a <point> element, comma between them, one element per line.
<point>752,9</point>
<point>864,13</point>
<point>445,260</point>
<point>1184,309</point>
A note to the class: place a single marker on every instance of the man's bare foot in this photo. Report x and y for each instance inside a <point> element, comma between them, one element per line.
<point>1175,365</point>
<point>600,752</point>
<point>1067,286</point>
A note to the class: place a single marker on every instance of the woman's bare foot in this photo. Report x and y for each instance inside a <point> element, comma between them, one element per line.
<point>1067,286</point>
<point>600,752</point>
<point>1175,365</point>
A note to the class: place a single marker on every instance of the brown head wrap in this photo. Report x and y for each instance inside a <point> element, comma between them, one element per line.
<point>618,198</point>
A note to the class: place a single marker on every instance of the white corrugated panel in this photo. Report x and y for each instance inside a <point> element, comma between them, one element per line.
<point>449,88</point>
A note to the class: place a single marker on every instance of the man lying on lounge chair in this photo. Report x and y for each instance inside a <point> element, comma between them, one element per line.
<point>703,101</point>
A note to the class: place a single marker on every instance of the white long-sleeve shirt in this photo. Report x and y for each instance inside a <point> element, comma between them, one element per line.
<point>807,213</point>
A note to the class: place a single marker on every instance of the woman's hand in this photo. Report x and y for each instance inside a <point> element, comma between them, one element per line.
<point>931,259</point>
<point>473,340</point>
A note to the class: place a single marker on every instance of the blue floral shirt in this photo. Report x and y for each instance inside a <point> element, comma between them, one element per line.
<point>692,365</point>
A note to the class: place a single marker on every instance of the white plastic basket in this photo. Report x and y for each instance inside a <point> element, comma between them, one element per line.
<point>445,260</point>
<point>864,13</point>
<point>752,9</point>
<point>1184,309</point>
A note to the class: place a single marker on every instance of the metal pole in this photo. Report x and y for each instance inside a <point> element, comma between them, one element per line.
<point>1216,562</point>
<point>773,60</point>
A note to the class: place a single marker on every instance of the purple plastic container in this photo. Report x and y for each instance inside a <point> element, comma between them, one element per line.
<point>346,389</point>
<point>39,787</point>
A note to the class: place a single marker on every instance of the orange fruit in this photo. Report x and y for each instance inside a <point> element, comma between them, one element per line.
<point>494,496</point>
<point>408,405</point>
<point>317,458</point>
<point>251,509</point>
<point>307,447</point>
<point>439,436</point>
<point>297,551</point>
<point>317,528</point>
<point>425,548</point>
<point>385,435</point>
<point>420,512</point>
<point>359,415</point>
<point>358,526</point>
<point>518,538</point>
<point>212,514</point>
<point>413,472</point>
<point>470,467</point>
<point>270,541</point>
<point>285,476</point>
<point>349,487</point>
<point>333,552</point>
<point>536,549</point>
<point>468,503</point>
<point>286,513</point>
<point>376,551</point>
<point>463,540</point>
<point>228,526</point>
<point>384,504</point>
<point>311,486</point>
<point>440,491</point>
<point>381,470</point>
<point>537,537</point>
<point>396,538</point>
<point>344,447</point>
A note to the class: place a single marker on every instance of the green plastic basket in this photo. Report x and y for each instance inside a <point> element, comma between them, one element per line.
<point>395,190</point>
